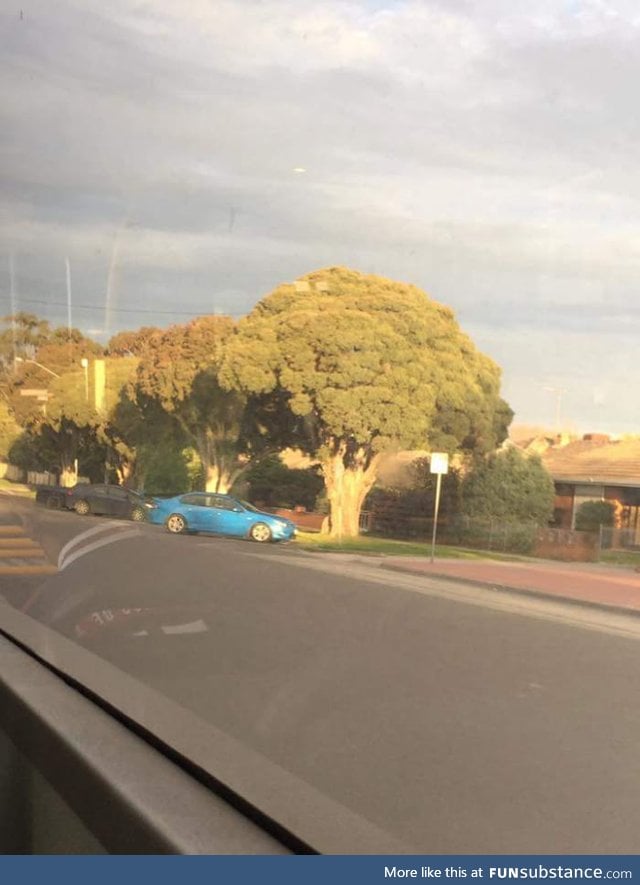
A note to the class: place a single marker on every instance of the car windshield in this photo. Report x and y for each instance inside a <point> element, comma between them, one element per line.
<point>248,506</point>
<point>369,267</point>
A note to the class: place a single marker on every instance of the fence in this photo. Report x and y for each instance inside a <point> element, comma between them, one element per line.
<point>620,539</point>
<point>524,538</point>
<point>486,534</point>
<point>13,473</point>
<point>35,477</point>
<point>44,478</point>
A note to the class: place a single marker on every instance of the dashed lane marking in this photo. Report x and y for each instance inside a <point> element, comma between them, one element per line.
<point>34,552</point>
<point>44,569</point>
<point>18,552</point>
<point>16,542</point>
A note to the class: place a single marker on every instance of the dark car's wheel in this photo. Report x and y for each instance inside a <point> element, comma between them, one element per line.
<point>138,514</point>
<point>260,532</point>
<point>176,524</point>
<point>82,507</point>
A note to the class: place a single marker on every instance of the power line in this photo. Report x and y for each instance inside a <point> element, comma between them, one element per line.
<point>195,310</point>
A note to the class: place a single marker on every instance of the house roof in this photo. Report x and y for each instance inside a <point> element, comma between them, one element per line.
<point>596,460</point>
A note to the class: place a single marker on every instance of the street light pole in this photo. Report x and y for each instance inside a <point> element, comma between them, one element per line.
<point>19,359</point>
<point>84,362</point>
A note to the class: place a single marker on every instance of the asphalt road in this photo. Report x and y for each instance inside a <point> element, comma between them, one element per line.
<point>458,722</point>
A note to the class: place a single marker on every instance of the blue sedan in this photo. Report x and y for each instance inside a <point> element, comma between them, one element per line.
<point>220,515</point>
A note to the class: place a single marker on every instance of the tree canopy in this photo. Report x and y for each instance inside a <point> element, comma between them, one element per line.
<point>365,365</point>
<point>132,343</point>
<point>179,371</point>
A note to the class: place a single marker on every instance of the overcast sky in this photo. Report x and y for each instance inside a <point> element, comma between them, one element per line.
<point>187,157</point>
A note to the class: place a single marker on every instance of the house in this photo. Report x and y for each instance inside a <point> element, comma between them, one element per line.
<point>595,468</point>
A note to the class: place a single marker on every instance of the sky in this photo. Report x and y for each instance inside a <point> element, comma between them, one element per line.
<point>187,158</point>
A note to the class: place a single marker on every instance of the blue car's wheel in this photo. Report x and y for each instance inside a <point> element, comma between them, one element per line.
<point>260,532</point>
<point>176,524</point>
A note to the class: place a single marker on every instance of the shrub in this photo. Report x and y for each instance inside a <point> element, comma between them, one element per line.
<point>592,514</point>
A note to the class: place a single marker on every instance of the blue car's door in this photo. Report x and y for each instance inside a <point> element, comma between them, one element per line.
<point>194,509</point>
<point>227,517</point>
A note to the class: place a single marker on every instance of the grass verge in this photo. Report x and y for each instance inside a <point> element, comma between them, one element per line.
<point>370,546</point>
<point>620,557</point>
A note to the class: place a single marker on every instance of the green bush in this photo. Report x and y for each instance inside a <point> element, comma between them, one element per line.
<point>275,485</point>
<point>510,487</point>
<point>163,470</point>
<point>592,514</point>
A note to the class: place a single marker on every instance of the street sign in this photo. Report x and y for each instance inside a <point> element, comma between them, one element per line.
<point>439,462</point>
<point>440,466</point>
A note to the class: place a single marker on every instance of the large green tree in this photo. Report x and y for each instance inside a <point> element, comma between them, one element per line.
<point>179,371</point>
<point>361,365</point>
<point>509,486</point>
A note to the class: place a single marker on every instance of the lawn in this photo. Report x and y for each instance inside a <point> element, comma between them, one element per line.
<point>367,545</point>
<point>16,488</point>
<point>620,557</point>
<point>371,546</point>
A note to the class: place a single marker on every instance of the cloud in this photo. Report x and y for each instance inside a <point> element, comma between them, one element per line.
<point>486,152</point>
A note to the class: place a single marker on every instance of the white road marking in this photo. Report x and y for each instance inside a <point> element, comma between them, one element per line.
<point>77,539</point>
<point>198,626</point>
<point>89,548</point>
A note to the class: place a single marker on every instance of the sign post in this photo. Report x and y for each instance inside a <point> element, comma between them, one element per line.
<point>439,465</point>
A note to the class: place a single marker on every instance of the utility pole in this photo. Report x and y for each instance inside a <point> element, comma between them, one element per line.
<point>69,309</point>
<point>84,362</point>
<point>12,289</point>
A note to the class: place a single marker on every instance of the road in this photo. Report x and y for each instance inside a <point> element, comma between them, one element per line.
<point>457,720</point>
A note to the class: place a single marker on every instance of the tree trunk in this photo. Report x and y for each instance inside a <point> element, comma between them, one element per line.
<point>217,479</point>
<point>125,473</point>
<point>68,477</point>
<point>347,487</point>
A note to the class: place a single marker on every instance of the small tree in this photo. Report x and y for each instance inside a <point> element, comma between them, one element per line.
<point>10,430</point>
<point>509,486</point>
<point>592,514</point>
<point>179,371</point>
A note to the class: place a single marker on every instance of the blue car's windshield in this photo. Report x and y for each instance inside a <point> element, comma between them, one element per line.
<point>248,506</point>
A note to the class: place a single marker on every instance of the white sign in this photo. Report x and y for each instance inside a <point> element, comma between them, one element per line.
<point>439,462</point>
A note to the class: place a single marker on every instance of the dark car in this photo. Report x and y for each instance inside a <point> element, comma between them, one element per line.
<point>52,497</point>
<point>108,500</point>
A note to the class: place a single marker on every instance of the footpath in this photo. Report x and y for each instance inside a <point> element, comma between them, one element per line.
<point>603,586</point>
